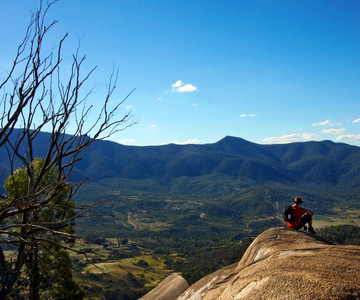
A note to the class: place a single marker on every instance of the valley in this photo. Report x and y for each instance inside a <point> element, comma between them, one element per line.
<point>194,209</point>
<point>193,233</point>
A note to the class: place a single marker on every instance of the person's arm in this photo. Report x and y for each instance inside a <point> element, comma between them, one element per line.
<point>310,213</point>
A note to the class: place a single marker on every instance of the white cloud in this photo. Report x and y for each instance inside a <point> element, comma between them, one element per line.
<point>186,88</point>
<point>334,131</point>
<point>129,106</point>
<point>326,123</point>
<point>291,138</point>
<point>179,86</point>
<point>195,105</point>
<point>190,141</point>
<point>126,141</point>
<point>249,115</point>
<point>153,126</point>
<point>356,121</point>
<point>348,137</point>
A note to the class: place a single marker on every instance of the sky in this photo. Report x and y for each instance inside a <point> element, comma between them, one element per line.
<point>266,71</point>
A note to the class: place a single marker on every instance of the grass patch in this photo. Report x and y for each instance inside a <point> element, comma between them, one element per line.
<point>152,274</point>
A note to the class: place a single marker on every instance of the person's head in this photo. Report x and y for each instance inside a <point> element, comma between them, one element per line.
<point>297,201</point>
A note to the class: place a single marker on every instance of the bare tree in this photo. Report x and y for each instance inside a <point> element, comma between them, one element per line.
<point>36,97</point>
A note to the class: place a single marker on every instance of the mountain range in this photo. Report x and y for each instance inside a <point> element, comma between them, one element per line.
<point>223,188</point>
<point>334,164</point>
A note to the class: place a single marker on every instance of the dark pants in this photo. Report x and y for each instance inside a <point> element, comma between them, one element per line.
<point>304,219</point>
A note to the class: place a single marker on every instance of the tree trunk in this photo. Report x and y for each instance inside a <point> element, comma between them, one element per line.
<point>34,279</point>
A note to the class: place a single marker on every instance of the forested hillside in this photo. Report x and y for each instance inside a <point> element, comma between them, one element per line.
<point>335,165</point>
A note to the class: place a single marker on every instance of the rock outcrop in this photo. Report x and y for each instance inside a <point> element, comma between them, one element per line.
<point>170,288</point>
<point>284,264</point>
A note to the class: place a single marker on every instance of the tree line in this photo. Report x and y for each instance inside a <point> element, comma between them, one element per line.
<point>341,234</point>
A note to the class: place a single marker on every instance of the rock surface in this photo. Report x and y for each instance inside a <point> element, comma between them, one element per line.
<point>170,288</point>
<point>279,264</point>
<point>285,264</point>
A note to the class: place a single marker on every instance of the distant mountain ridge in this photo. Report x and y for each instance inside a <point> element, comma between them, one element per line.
<point>325,162</point>
<point>336,165</point>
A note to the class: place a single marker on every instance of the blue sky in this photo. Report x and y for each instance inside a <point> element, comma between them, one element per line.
<point>266,71</point>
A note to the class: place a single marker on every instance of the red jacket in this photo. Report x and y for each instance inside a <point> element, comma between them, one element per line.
<point>296,217</point>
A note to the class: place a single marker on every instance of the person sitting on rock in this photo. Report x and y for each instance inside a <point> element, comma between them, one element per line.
<point>300,217</point>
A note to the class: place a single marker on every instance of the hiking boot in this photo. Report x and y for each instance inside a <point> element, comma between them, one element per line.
<point>305,228</point>
<point>311,230</point>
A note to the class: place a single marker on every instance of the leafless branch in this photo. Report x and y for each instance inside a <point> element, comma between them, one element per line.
<point>40,99</point>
